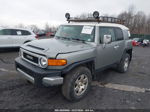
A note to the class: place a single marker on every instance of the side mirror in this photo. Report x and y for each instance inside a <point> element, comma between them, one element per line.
<point>107,39</point>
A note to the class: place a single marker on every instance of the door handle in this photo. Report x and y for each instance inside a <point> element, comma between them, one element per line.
<point>116,47</point>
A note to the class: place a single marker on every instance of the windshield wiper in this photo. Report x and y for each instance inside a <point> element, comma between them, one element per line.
<point>78,39</point>
<point>59,37</point>
<point>63,38</point>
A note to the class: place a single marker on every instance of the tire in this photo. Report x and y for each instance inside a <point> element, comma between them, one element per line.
<point>124,64</point>
<point>74,89</point>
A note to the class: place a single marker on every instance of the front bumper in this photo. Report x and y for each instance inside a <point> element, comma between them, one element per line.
<point>38,76</point>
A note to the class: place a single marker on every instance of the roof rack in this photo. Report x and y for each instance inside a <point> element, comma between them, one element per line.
<point>96,18</point>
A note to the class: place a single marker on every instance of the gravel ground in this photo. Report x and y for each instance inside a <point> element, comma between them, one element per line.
<point>16,93</point>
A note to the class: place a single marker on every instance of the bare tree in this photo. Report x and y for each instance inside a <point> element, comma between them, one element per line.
<point>84,15</point>
<point>138,22</point>
<point>20,26</point>
<point>147,27</point>
<point>34,28</point>
<point>47,28</point>
<point>128,16</point>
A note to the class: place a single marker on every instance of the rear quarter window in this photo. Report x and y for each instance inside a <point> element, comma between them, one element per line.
<point>119,34</point>
<point>24,32</point>
<point>127,34</point>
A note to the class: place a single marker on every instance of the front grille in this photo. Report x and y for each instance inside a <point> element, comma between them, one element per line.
<point>30,58</point>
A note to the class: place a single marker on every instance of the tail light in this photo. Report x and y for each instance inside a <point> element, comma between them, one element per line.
<point>36,36</point>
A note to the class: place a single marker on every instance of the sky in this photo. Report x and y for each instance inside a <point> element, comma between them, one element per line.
<point>40,12</point>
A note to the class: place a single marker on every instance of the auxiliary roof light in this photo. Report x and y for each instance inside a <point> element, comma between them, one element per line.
<point>96,14</point>
<point>67,15</point>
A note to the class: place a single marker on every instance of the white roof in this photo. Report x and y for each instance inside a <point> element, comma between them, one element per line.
<point>99,24</point>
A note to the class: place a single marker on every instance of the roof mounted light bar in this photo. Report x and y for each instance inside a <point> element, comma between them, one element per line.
<point>95,18</point>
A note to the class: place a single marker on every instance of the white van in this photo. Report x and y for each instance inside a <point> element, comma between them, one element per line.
<point>10,38</point>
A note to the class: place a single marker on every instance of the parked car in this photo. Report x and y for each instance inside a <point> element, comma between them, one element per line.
<point>10,38</point>
<point>41,34</point>
<point>80,49</point>
<point>137,41</point>
<point>145,42</point>
<point>50,34</point>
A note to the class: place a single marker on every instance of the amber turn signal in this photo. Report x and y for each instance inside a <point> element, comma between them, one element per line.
<point>57,62</point>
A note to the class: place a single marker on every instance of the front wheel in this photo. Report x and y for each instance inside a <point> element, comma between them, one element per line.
<point>77,83</point>
<point>124,64</point>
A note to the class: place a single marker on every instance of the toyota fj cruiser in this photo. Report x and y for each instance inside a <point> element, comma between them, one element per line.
<point>79,50</point>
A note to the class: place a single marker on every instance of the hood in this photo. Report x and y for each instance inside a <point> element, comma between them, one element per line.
<point>54,46</point>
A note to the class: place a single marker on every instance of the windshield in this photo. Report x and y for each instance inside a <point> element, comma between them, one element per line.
<point>136,39</point>
<point>85,33</point>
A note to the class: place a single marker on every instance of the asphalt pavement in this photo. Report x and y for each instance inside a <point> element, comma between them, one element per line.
<point>112,90</point>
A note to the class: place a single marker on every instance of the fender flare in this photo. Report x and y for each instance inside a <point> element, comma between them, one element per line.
<point>74,65</point>
<point>126,51</point>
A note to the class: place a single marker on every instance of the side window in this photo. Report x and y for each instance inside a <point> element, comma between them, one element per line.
<point>1,32</point>
<point>24,32</point>
<point>106,31</point>
<point>13,32</point>
<point>19,32</point>
<point>5,32</point>
<point>119,34</point>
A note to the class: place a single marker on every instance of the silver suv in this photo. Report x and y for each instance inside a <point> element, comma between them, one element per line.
<point>79,50</point>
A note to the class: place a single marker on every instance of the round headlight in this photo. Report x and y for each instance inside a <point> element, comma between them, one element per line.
<point>96,14</point>
<point>43,62</point>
